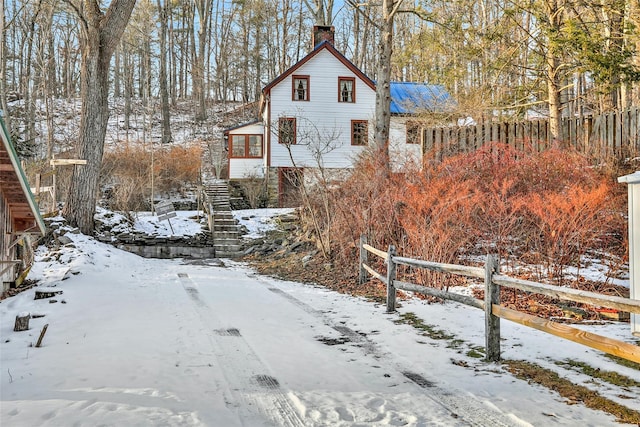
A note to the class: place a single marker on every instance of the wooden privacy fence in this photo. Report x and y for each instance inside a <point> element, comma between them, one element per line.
<point>491,304</point>
<point>614,134</point>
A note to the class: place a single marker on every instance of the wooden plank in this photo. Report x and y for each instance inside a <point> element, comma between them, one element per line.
<point>570,294</point>
<point>438,293</point>
<point>635,130</point>
<point>599,342</point>
<point>391,277</point>
<point>67,162</point>
<point>381,254</point>
<point>375,274</point>
<point>491,321</point>
<point>460,270</point>
<point>364,259</point>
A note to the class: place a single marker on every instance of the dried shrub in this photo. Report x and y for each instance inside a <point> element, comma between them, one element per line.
<point>126,174</point>
<point>549,208</point>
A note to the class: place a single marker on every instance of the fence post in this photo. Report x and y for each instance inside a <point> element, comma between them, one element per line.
<point>364,259</point>
<point>492,323</point>
<point>391,276</point>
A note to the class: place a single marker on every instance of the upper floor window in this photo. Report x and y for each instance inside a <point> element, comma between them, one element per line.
<point>287,130</point>
<point>346,89</point>
<point>413,132</point>
<point>300,88</point>
<point>359,132</point>
<point>246,146</point>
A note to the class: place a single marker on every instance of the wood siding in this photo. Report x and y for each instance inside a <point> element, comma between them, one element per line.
<point>615,134</point>
<point>323,123</point>
<point>248,168</point>
<point>402,154</point>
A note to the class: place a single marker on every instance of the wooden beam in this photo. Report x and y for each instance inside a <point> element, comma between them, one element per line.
<point>381,254</point>
<point>608,345</point>
<point>460,270</point>
<point>570,294</point>
<point>464,299</point>
<point>67,162</point>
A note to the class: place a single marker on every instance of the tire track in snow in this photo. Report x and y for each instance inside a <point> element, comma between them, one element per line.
<point>462,406</point>
<point>256,396</point>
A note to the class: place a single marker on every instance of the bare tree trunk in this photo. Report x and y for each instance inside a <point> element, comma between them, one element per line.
<point>164,93</point>
<point>554,13</point>
<point>3,68</point>
<point>100,34</point>
<point>383,81</point>
<point>204,9</point>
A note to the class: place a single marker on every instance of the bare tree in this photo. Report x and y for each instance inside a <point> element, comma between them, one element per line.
<point>100,34</point>
<point>322,11</point>
<point>164,92</point>
<point>390,9</point>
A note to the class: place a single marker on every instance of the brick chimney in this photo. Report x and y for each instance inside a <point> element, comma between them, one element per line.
<point>322,33</point>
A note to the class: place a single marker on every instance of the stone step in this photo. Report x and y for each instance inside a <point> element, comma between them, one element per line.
<point>224,235</point>
<point>224,217</point>
<point>228,247</point>
<point>233,227</point>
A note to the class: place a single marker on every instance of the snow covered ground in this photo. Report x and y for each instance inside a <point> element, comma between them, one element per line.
<point>145,342</point>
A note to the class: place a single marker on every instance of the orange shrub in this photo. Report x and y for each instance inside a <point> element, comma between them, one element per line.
<point>126,172</point>
<point>549,208</point>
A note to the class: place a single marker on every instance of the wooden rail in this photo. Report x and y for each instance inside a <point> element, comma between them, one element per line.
<point>491,304</point>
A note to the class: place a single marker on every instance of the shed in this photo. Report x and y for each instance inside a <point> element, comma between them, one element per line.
<point>20,219</point>
<point>633,181</point>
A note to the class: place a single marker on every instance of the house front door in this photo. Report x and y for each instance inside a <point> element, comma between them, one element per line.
<point>290,191</point>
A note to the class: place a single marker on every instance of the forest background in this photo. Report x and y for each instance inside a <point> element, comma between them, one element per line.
<point>506,60</point>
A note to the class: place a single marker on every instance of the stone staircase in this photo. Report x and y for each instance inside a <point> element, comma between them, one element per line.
<point>224,229</point>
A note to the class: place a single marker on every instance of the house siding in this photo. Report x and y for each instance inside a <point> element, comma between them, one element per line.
<point>401,154</point>
<point>248,168</point>
<point>323,123</point>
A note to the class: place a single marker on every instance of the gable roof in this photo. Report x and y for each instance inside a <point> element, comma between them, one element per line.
<point>413,98</point>
<point>241,125</point>
<point>15,188</point>
<point>325,45</point>
<point>406,97</point>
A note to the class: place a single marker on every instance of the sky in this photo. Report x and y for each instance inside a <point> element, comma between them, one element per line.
<point>187,342</point>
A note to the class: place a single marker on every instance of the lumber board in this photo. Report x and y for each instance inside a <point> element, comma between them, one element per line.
<point>570,294</point>
<point>381,254</point>
<point>608,345</point>
<point>461,270</point>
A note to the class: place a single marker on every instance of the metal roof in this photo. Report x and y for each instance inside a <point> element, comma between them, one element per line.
<point>414,98</point>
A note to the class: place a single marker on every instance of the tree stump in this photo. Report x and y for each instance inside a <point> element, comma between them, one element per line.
<point>22,322</point>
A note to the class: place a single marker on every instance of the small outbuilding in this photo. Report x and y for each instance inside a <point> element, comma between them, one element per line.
<point>633,181</point>
<point>20,219</point>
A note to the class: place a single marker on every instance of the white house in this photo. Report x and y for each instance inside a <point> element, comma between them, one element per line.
<point>319,114</point>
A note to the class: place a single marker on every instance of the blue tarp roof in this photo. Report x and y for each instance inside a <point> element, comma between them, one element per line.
<point>413,98</point>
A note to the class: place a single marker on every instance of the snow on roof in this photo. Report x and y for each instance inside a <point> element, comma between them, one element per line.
<point>413,97</point>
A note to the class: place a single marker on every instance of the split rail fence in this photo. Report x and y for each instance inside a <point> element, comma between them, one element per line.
<point>615,134</point>
<point>491,304</point>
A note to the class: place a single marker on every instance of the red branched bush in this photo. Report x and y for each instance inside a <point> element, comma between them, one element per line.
<point>548,208</point>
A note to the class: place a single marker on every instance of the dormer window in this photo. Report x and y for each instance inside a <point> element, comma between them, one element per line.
<point>346,89</point>
<point>300,88</point>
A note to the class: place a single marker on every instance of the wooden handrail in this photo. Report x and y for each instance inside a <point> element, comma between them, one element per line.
<point>460,270</point>
<point>599,342</point>
<point>493,282</point>
<point>381,254</point>
<point>570,294</point>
